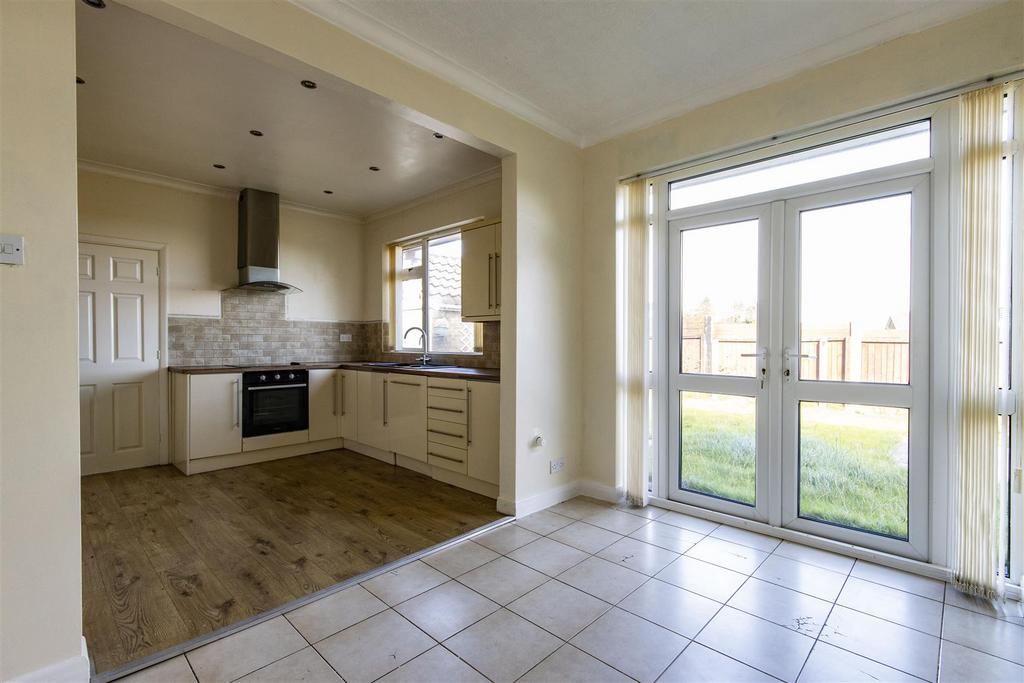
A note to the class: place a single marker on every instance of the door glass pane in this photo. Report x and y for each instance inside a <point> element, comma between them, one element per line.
<point>448,334</point>
<point>877,150</point>
<point>719,299</point>
<point>717,445</point>
<point>855,291</point>
<point>854,465</point>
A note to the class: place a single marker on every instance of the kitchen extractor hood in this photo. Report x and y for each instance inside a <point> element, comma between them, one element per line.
<point>259,239</point>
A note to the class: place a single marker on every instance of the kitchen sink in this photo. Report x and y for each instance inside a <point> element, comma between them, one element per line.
<point>425,366</point>
<point>383,364</point>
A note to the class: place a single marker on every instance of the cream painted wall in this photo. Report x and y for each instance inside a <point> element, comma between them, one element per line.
<point>541,226</point>
<point>972,48</point>
<point>320,254</point>
<point>433,213</point>
<point>40,560</point>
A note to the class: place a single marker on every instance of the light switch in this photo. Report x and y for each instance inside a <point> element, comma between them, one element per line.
<point>12,250</point>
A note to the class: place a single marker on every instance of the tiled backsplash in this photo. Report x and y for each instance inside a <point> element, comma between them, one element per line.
<point>253,329</point>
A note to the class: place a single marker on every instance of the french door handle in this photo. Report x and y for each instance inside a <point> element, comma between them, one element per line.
<point>762,356</point>
<point>788,356</point>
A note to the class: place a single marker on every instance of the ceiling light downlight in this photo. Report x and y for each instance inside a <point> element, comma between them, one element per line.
<point>438,136</point>
<point>328,191</point>
<point>256,133</point>
<point>96,4</point>
<point>219,166</point>
<point>311,85</point>
<point>79,80</point>
<point>375,168</point>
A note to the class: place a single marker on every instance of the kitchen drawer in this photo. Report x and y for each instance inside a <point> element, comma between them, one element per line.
<point>446,457</point>
<point>447,433</point>
<point>446,388</point>
<point>446,409</point>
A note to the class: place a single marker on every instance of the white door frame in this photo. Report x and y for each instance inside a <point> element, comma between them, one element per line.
<point>161,250</point>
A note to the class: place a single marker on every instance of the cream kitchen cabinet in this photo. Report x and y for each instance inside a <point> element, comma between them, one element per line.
<point>348,404</point>
<point>324,408</point>
<point>213,404</point>
<point>482,427</point>
<point>406,407</point>
<point>371,420</point>
<point>481,273</point>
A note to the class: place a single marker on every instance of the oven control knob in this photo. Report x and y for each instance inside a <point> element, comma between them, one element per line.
<point>291,375</point>
<point>263,378</point>
<point>277,376</point>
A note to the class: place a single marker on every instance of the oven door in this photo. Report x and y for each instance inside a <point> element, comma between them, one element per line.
<point>275,409</point>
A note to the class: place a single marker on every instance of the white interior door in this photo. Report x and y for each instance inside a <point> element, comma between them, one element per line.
<point>118,344</point>
<point>718,367</point>
<point>855,365</point>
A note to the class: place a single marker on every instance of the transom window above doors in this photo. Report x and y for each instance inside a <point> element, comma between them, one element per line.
<point>426,293</point>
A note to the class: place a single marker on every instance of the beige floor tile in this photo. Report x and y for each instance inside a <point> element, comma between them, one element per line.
<point>459,559</point>
<point>334,613</point>
<point>738,558</point>
<point>674,538</point>
<point>507,538</point>
<point>602,579</point>
<point>635,647</point>
<point>444,611</point>
<point>647,511</point>
<point>547,556</point>
<point>571,665</point>
<point>436,665</point>
<point>798,611</point>
<point>959,664</point>
<point>578,508</point>
<point>891,604</point>
<point>674,608</point>
<point>894,578</point>
<point>503,580</point>
<point>760,644</point>
<point>699,664</point>
<point>891,644</point>
<point>174,670</point>
<point>828,664</point>
<point>244,652</point>
<point>559,608</point>
<point>544,522</point>
<point>819,558</point>
<point>585,537</point>
<point>405,582</point>
<point>800,576</point>
<point>701,526</point>
<point>988,634</point>
<point>616,521</point>
<point>374,647</point>
<point>1007,610</point>
<point>305,666</point>
<point>503,646</point>
<point>747,538</point>
<point>639,556</point>
<point>702,578</point>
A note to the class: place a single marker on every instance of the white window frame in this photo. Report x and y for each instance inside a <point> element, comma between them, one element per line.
<point>1016,431</point>
<point>943,126</point>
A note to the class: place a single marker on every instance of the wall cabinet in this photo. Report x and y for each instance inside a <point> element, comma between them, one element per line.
<point>348,404</point>
<point>481,273</point>
<point>214,415</point>
<point>371,421</point>
<point>407,415</point>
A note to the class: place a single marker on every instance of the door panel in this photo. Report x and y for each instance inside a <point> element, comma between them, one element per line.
<point>118,341</point>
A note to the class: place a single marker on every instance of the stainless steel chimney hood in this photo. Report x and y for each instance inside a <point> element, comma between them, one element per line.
<point>259,239</point>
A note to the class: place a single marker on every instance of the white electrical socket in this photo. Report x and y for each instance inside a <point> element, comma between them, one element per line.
<point>12,250</point>
<point>345,337</point>
<point>556,465</point>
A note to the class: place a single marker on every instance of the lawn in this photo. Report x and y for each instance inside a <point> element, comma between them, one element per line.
<point>853,460</point>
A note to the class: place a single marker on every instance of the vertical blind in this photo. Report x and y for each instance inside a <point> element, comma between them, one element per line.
<point>633,223</point>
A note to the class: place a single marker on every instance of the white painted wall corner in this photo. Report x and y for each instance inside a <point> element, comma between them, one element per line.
<point>71,670</point>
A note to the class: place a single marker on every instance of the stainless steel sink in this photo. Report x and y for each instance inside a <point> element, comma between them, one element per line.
<point>383,364</point>
<point>425,366</point>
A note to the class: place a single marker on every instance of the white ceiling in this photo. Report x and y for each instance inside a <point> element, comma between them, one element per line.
<point>162,100</point>
<point>587,70</point>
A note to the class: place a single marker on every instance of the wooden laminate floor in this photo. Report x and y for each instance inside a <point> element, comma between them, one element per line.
<point>168,557</point>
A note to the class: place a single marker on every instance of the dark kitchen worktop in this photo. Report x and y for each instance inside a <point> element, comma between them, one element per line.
<point>482,374</point>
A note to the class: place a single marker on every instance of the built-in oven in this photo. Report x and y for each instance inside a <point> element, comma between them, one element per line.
<point>274,401</point>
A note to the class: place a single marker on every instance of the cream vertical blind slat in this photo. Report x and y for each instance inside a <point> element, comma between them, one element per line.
<point>634,224</point>
<point>979,497</point>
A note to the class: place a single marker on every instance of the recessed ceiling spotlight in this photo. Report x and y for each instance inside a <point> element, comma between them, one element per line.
<point>375,168</point>
<point>328,191</point>
<point>98,4</point>
<point>308,84</point>
<point>79,80</point>
<point>219,166</point>
<point>257,133</point>
<point>438,136</point>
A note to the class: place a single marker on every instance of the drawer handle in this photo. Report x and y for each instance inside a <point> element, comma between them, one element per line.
<point>444,457</point>
<point>445,388</point>
<point>438,431</point>
<point>408,384</point>
<point>447,410</point>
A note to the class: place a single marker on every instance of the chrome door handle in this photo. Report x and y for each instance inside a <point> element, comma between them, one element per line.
<point>762,356</point>
<point>469,415</point>
<point>490,280</point>
<point>343,394</point>
<point>385,404</point>
<point>497,280</point>
<point>334,385</point>
<point>787,356</point>
<point>238,403</point>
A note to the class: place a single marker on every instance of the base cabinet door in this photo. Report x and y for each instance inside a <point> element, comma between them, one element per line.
<point>407,415</point>
<point>214,415</point>
<point>372,427</point>
<point>482,430</point>
<point>323,404</point>
<point>348,404</point>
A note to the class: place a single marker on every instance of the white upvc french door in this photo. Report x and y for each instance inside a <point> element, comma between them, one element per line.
<point>718,373</point>
<point>855,368</point>
<point>797,369</point>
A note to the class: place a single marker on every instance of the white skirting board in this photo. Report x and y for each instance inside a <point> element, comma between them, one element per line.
<point>71,670</point>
